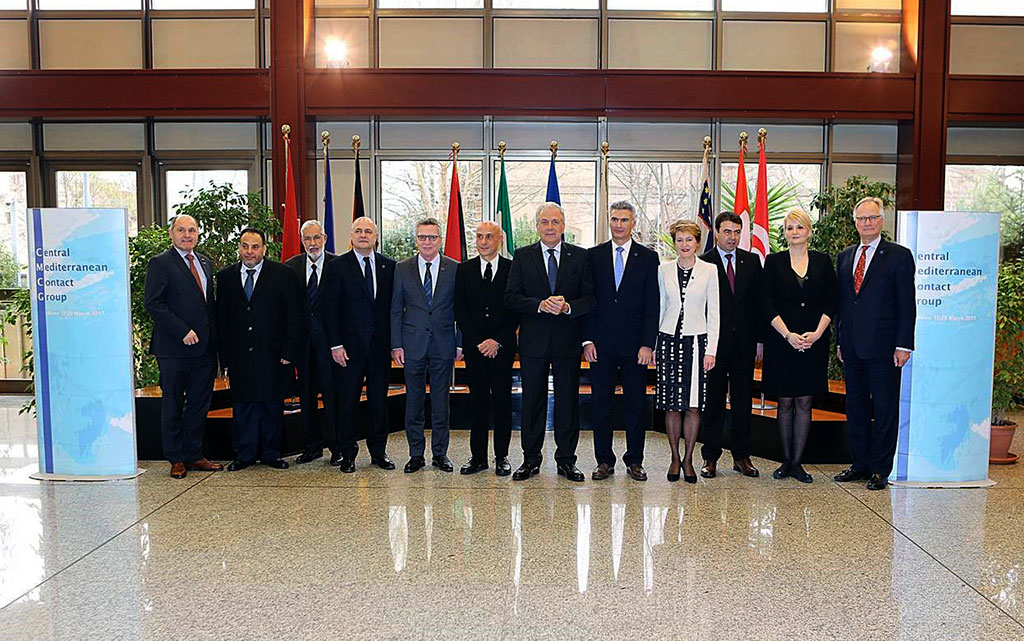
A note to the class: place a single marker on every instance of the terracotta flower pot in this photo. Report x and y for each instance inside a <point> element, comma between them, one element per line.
<point>999,445</point>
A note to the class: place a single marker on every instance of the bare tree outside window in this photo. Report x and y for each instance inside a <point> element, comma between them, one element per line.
<point>113,189</point>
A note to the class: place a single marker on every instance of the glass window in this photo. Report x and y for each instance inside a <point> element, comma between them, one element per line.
<point>13,230</point>
<point>89,5</point>
<point>527,186</point>
<point>203,5</point>
<point>415,189</point>
<point>990,188</point>
<point>986,8</point>
<point>789,186</point>
<point>430,4</point>
<point>764,6</point>
<point>180,181</point>
<point>662,5</point>
<point>662,193</point>
<point>546,4</point>
<point>100,189</point>
<point>13,5</point>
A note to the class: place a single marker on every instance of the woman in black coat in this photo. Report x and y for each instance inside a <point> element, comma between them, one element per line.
<point>800,302</point>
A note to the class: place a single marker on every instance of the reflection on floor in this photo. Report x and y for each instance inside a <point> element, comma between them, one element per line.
<point>309,553</point>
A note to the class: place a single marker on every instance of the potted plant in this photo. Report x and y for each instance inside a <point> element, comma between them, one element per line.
<point>1008,367</point>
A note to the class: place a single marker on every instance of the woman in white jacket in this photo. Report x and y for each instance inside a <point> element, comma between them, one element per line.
<point>687,341</point>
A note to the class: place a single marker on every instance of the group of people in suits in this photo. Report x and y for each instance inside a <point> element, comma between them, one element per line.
<point>703,321</point>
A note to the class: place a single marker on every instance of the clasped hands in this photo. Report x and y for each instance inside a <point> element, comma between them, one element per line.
<point>554,305</point>
<point>802,342</point>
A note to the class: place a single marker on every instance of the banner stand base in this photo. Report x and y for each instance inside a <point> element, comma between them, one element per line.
<point>43,476</point>
<point>943,485</point>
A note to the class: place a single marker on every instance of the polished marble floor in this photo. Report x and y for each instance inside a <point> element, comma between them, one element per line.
<point>309,553</point>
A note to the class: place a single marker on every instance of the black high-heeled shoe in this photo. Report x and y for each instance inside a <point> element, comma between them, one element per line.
<point>781,472</point>
<point>688,478</point>
<point>799,473</point>
<point>672,478</point>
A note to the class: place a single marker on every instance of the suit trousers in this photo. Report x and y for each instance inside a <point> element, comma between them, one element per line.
<point>566,375</point>
<point>375,370</point>
<point>257,430</point>
<point>315,380</point>
<point>186,385</point>
<point>603,374</point>
<point>417,370</point>
<point>490,389</point>
<point>733,373</point>
<point>872,387</point>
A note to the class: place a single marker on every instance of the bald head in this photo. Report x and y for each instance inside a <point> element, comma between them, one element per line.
<point>489,239</point>
<point>184,233</point>
<point>364,235</point>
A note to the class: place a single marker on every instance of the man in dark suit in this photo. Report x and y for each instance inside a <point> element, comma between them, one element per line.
<point>262,319</point>
<point>489,339</point>
<point>739,286</point>
<point>315,364</point>
<point>179,297</point>
<point>874,337</point>
<point>551,288</point>
<point>425,343</point>
<point>357,319</point>
<point>619,337</point>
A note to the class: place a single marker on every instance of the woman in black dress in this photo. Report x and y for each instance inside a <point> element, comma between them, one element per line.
<point>800,301</point>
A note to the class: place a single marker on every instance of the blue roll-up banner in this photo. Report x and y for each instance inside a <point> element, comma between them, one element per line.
<point>946,396</point>
<point>82,337</point>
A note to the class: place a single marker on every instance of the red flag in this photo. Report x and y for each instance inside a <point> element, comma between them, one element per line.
<point>759,234</point>
<point>290,245</point>
<point>741,204</point>
<point>455,234</point>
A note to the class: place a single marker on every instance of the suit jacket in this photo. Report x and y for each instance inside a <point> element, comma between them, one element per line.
<point>258,333</point>
<point>873,323</point>
<point>413,321</point>
<point>177,305</point>
<point>480,310</point>
<point>351,317</point>
<point>542,334</point>
<point>314,309</point>
<point>701,308</point>
<point>740,312</point>
<point>623,320</point>
<point>800,307</point>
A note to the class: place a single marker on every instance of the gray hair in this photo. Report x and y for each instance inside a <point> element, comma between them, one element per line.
<point>548,205</point>
<point>871,199</point>
<point>174,219</point>
<point>428,221</point>
<point>623,204</point>
<point>309,223</point>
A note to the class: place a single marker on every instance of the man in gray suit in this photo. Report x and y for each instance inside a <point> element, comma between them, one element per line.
<point>424,341</point>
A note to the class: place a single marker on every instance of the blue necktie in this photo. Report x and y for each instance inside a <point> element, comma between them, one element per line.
<point>313,284</point>
<point>619,267</point>
<point>552,270</point>
<point>249,283</point>
<point>428,286</point>
<point>368,275</point>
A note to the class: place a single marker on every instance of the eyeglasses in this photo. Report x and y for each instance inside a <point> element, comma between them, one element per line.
<point>427,237</point>
<point>866,219</point>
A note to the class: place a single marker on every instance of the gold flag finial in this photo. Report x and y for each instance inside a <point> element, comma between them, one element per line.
<point>356,142</point>
<point>554,148</point>
<point>501,149</point>
<point>762,134</point>
<point>325,137</point>
<point>605,148</point>
<point>707,143</point>
<point>286,129</point>
<point>455,147</point>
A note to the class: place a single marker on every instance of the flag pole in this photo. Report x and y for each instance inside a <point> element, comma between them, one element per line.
<point>602,206</point>
<point>455,159</point>
<point>502,209</point>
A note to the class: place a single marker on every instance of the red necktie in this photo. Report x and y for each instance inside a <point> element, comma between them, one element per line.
<point>858,273</point>
<point>195,272</point>
<point>730,273</point>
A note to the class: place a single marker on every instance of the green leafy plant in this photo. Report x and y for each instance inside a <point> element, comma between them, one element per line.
<point>19,306</point>
<point>781,198</point>
<point>1008,369</point>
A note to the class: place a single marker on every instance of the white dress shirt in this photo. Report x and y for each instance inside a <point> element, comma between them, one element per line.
<point>625,253</point>
<point>373,268</point>
<point>319,262</point>
<point>723,254</point>
<point>544,249</point>
<point>255,276</point>
<point>435,264</point>
<point>872,247</point>
<point>199,266</point>
<point>494,266</point>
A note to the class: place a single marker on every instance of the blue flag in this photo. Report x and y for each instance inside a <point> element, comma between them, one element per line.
<point>704,216</point>
<point>552,195</point>
<point>328,203</point>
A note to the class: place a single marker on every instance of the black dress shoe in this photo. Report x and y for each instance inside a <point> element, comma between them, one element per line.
<point>336,458</point>
<point>502,467</point>
<point>442,463</point>
<point>415,463</point>
<point>235,466</point>
<point>709,469</point>
<point>878,482</point>
<point>799,473</point>
<point>277,463</point>
<point>525,471</point>
<point>347,465</point>
<point>307,457</point>
<point>781,472</point>
<point>850,474</point>
<point>383,461</point>
<point>570,472</point>
<point>473,466</point>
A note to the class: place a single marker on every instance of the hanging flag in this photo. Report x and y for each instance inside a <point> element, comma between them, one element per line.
<point>328,201</point>
<point>455,234</point>
<point>552,193</point>
<point>603,201</point>
<point>358,211</point>
<point>505,210</point>
<point>742,204</point>
<point>704,215</point>
<point>759,236</point>
<point>290,245</point>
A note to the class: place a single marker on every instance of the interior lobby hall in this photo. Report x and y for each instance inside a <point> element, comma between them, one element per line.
<point>309,553</point>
